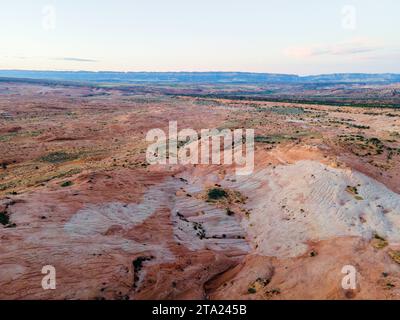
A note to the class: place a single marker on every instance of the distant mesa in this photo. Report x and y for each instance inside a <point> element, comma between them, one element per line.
<point>200,77</point>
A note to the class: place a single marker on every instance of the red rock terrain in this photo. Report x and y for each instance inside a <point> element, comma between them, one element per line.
<point>77,193</point>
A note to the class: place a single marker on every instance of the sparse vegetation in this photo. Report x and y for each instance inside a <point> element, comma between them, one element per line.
<point>251,290</point>
<point>274,139</point>
<point>66,184</point>
<point>5,220</point>
<point>137,267</point>
<point>216,194</point>
<point>390,285</point>
<point>313,253</point>
<point>224,197</point>
<point>258,285</point>
<point>395,255</point>
<point>354,191</point>
<point>58,157</point>
<point>379,242</point>
<point>362,146</point>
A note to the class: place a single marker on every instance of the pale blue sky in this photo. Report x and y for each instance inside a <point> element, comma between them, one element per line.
<point>283,36</point>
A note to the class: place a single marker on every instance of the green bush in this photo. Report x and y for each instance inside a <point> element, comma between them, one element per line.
<point>216,194</point>
<point>66,184</point>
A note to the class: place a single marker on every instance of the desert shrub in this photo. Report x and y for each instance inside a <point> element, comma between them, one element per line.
<point>216,194</point>
<point>379,242</point>
<point>4,219</point>
<point>395,255</point>
<point>251,290</point>
<point>66,184</point>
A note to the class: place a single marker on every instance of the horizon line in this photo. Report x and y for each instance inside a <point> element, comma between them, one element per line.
<point>210,71</point>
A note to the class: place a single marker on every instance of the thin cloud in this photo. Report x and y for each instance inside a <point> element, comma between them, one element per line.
<point>358,46</point>
<point>75,59</point>
<point>385,56</point>
<point>14,57</point>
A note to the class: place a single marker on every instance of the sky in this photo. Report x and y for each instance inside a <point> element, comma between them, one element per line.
<point>276,36</point>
